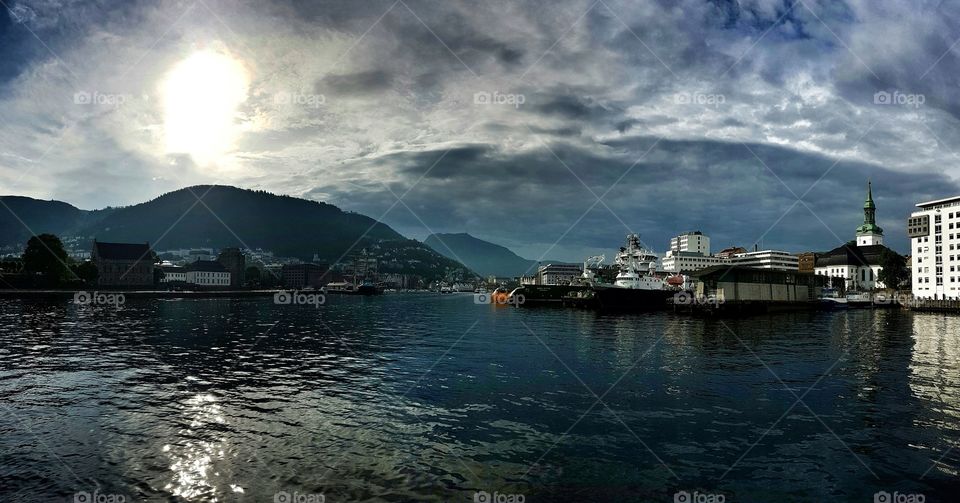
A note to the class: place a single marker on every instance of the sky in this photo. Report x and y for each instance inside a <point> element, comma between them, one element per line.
<point>552,127</point>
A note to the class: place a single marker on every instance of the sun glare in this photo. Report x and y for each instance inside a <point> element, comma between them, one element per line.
<point>201,95</point>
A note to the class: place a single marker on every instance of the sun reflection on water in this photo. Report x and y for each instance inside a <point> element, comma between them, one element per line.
<point>191,461</point>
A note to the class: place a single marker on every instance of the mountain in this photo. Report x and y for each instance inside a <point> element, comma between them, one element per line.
<point>22,217</point>
<point>220,216</point>
<point>484,257</point>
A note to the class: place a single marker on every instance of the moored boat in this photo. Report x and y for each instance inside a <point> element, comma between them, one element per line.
<point>637,287</point>
<point>830,300</point>
<point>861,300</point>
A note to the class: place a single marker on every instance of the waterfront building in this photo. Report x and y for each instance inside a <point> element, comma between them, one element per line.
<point>233,260</point>
<point>767,259</point>
<point>807,262</point>
<point>691,242</point>
<point>302,275</point>
<point>731,251</point>
<point>934,231</point>
<point>689,252</point>
<point>857,262</point>
<point>123,264</point>
<point>172,273</point>
<point>688,261</point>
<point>740,285</point>
<point>558,274</point>
<point>208,273</point>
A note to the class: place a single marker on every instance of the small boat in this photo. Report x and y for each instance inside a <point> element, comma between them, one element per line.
<point>677,280</point>
<point>830,299</point>
<point>859,300</point>
<point>340,287</point>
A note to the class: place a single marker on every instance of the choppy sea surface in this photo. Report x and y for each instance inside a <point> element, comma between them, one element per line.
<point>422,397</point>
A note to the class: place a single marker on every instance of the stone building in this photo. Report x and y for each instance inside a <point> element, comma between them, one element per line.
<point>123,264</point>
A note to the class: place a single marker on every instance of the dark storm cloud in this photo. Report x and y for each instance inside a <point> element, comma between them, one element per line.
<point>576,107</point>
<point>720,188</point>
<point>602,85</point>
<point>356,83</point>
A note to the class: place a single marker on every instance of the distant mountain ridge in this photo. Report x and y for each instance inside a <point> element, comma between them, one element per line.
<point>20,215</point>
<point>483,257</point>
<point>220,216</point>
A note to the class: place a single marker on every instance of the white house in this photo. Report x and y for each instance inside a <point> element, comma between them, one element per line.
<point>173,273</point>
<point>207,273</point>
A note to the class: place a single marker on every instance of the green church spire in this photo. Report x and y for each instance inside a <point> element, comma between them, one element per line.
<point>869,215</point>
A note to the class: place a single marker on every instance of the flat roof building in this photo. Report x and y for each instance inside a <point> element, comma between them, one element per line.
<point>934,231</point>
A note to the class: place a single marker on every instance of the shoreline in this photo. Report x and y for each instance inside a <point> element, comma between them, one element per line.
<point>56,294</point>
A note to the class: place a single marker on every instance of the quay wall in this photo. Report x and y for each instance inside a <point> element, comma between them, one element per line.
<point>932,305</point>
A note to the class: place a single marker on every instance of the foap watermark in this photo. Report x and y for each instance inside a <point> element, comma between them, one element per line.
<point>698,497</point>
<point>299,298</point>
<point>689,299</point>
<point>898,497</point>
<point>97,497</point>
<point>701,99</point>
<point>499,299</point>
<point>498,98</point>
<point>98,98</point>
<point>83,298</point>
<point>498,497</point>
<point>298,497</point>
<point>300,99</point>
<point>898,98</point>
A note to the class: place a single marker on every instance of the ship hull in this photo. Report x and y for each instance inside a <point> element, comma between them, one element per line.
<point>632,299</point>
<point>546,294</point>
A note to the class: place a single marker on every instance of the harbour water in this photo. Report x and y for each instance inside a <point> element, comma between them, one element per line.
<point>422,397</point>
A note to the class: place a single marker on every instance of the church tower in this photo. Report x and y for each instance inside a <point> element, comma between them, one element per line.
<point>869,233</point>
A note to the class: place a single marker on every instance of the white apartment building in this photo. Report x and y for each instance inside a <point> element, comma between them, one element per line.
<point>934,232</point>
<point>691,242</point>
<point>689,262</point>
<point>768,259</point>
<point>690,252</point>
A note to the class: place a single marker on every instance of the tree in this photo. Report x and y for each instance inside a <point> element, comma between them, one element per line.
<point>45,257</point>
<point>86,272</point>
<point>893,269</point>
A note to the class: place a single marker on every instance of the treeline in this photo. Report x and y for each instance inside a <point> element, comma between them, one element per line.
<point>45,264</point>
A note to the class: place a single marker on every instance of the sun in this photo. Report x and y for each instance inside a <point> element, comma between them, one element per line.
<point>201,95</point>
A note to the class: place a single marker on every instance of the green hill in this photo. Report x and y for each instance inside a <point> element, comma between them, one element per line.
<point>484,257</point>
<point>220,216</point>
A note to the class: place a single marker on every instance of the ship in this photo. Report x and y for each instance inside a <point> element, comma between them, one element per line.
<point>533,294</point>
<point>637,287</point>
<point>346,288</point>
<point>368,287</point>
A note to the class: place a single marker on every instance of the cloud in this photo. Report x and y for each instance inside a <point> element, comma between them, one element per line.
<point>685,94</point>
